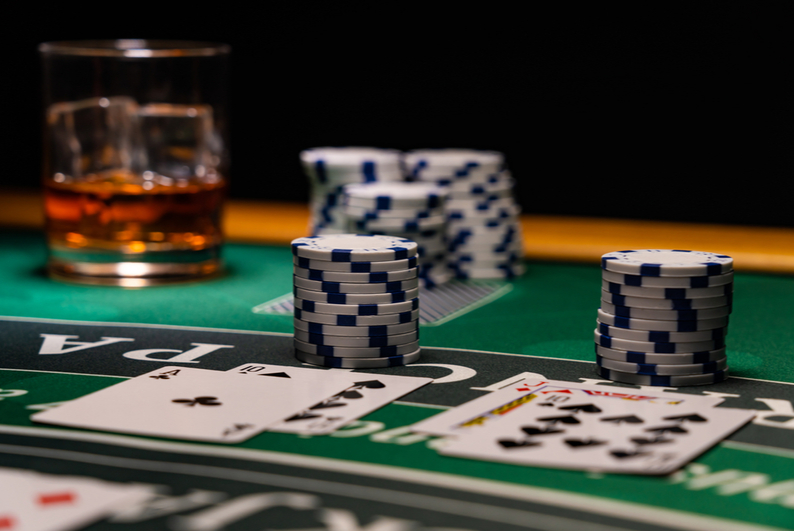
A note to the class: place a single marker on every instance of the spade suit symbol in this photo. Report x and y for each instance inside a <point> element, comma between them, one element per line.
<point>629,419</point>
<point>276,375</point>
<point>695,417</point>
<point>667,429</point>
<point>583,443</point>
<point>509,444</point>
<point>566,419</point>
<point>546,430</point>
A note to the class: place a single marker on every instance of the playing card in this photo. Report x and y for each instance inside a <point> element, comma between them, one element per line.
<point>187,403</point>
<point>30,501</point>
<point>600,433</point>
<point>348,395</point>
<point>481,411</point>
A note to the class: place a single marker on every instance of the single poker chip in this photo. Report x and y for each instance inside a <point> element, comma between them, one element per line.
<point>355,278</point>
<point>658,348</point>
<point>356,309</point>
<point>661,336</point>
<point>390,195</point>
<point>358,213</point>
<point>358,363</point>
<point>364,341</point>
<point>355,287</point>
<point>668,359</point>
<point>500,230</point>
<point>484,239</point>
<point>709,367</point>
<point>667,304</point>
<point>667,263</point>
<point>485,249</point>
<point>402,225</point>
<point>356,352</point>
<point>507,272</point>
<point>668,282</point>
<point>665,315</point>
<point>357,320</point>
<point>658,380</point>
<point>356,298</point>
<point>356,267</point>
<point>652,324</point>
<point>350,156</point>
<point>495,182</point>
<point>354,248</point>
<point>668,293</point>
<point>453,158</point>
<point>356,331</point>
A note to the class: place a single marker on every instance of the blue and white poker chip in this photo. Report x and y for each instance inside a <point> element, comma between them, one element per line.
<point>667,304</point>
<point>667,263</point>
<point>658,348</point>
<point>667,326</point>
<point>355,287</point>
<point>356,298</point>
<point>665,315</point>
<point>665,381</point>
<point>356,352</point>
<point>356,309</point>
<point>651,357</point>
<point>354,248</point>
<point>358,363</point>
<point>356,267</point>
<point>356,331</point>
<point>395,195</point>
<point>357,320</point>
<point>661,336</point>
<point>709,367</point>
<point>338,276</point>
<point>668,293</point>
<point>410,226</point>
<point>668,282</point>
<point>358,341</point>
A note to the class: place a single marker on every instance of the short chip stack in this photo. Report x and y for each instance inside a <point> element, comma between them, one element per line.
<point>664,317</point>
<point>483,230</point>
<point>412,210</point>
<point>331,168</point>
<point>356,300</point>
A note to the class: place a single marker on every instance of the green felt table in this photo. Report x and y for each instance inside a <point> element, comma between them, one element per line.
<point>374,473</point>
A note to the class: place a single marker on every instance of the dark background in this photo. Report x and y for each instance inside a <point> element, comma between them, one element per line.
<point>670,111</point>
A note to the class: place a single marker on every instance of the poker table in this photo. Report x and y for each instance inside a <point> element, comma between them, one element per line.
<point>375,474</point>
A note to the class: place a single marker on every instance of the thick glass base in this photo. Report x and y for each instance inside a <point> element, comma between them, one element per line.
<point>148,269</point>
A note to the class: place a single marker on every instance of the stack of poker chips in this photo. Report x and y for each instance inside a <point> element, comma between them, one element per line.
<point>483,230</point>
<point>356,301</point>
<point>664,317</point>
<point>412,210</point>
<point>331,168</point>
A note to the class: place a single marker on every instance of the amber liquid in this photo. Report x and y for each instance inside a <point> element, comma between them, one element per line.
<point>122,226</point>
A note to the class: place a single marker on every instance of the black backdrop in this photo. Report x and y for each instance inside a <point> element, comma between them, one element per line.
<point>672,111</point>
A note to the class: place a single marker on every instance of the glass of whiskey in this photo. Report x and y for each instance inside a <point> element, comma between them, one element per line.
<point>135,160</point>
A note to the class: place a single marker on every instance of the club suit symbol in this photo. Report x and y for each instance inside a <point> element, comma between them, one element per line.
<point>200,400</point>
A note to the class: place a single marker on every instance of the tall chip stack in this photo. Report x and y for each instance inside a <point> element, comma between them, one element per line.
<point>356,301</point>
<point>664,317</point>
<point>412,210</point>
<point>483,230</point>
<point>330,168</point>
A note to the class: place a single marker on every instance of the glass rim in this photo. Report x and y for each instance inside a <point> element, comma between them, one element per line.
<point>141,48</point>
